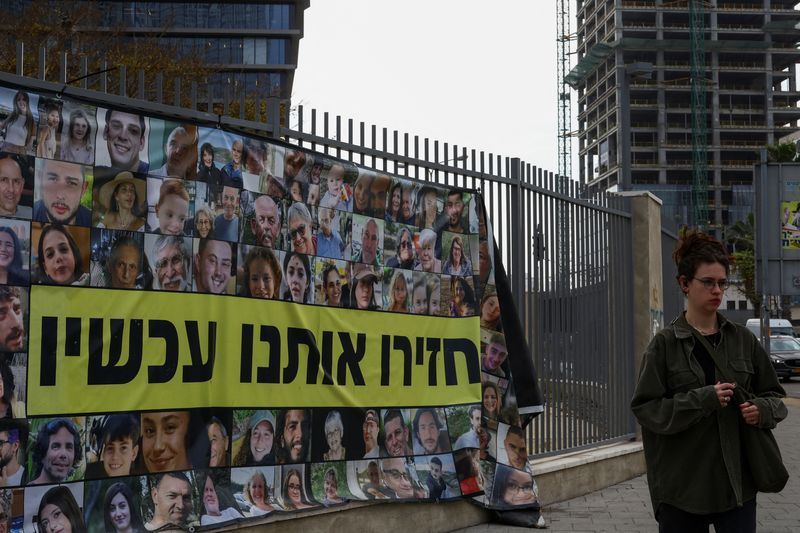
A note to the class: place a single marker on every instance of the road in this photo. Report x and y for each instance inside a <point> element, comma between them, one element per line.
<point>792,388</point>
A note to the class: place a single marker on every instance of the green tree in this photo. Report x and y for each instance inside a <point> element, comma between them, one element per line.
<point>77,28</point>
<point>781,152</point>
<point>740,237</point>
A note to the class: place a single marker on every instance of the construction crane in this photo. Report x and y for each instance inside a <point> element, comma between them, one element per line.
<point>697,28</point>
<point>564,39</point>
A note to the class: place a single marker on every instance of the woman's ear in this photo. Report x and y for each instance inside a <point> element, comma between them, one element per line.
<point>683,283</point>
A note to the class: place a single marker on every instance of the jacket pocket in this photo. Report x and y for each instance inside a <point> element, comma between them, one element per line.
<point>742,372</point>
<point>682,381</point>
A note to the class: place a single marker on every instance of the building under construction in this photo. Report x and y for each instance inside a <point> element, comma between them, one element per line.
<point>678,97</point>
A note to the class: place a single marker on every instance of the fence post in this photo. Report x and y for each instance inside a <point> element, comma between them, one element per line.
<point>516,245</point>
<point>274,117</point>
<point>648,282</point>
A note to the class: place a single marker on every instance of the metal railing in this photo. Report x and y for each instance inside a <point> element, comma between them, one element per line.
<point>568,255</point>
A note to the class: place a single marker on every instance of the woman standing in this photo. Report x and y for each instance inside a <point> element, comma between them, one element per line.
<point>696,466</point>
<point>210,174</point>
<point>77,147</point>
<point>19,128</point>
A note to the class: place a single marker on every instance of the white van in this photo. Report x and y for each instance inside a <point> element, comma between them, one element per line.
<point>777,326</point>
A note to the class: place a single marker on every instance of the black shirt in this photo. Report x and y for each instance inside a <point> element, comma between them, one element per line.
<point>704,358</point>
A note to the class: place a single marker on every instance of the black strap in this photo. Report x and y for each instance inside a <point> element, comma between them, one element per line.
<point>743,395</point>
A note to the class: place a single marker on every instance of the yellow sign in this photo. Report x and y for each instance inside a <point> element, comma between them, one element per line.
<point>136,350</point>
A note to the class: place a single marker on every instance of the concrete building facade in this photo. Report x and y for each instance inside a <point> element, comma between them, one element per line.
<point>633,78</point>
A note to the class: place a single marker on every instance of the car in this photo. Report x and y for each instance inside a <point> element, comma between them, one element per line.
<point>785,356</point>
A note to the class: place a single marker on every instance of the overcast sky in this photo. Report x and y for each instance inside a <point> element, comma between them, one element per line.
<point>475,73</point>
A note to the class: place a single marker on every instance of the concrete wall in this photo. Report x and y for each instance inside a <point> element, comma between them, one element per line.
<point>569,476</point>
<point>419,517</point>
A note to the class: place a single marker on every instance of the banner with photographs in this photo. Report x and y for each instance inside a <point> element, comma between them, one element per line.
<point>199,327</point>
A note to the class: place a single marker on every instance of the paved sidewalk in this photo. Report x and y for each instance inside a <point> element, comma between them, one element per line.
<point>626,506</point>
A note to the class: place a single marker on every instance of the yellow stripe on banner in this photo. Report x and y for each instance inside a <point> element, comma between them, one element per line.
<point>98,350</point>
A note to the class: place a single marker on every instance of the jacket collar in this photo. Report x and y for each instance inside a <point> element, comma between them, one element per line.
<point>683,330</point>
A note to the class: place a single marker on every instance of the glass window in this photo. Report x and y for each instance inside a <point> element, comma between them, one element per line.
<point>198,15</point>
<point>784,345</point>
<point>261,51</point>
<point>277,51</point>
<point>249,52</point>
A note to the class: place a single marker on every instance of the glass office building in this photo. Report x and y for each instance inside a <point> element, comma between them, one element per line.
<point>252,44</point>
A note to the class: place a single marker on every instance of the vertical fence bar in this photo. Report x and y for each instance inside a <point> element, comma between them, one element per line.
<point>20,59</point>
<point>123,80</point>
<point>515,225</point>
<point>160,88</point>
<point>62,67</point>
<point>84,72</point>
<point>42,63</point>
<point>141,93</point>
<point>193,100</point>
<point>103,76</point>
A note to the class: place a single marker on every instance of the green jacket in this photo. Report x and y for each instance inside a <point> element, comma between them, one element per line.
<point>691,443</point>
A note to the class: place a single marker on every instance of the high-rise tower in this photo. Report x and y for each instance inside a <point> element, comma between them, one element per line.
<point>635,114</point>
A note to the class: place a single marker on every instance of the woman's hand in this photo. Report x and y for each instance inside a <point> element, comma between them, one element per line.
<point>724,392</point>
<point>750,413</point>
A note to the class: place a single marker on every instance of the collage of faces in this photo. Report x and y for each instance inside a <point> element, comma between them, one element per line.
<point>98,197</point>
<point>201,467</point>
<point>119,200</point>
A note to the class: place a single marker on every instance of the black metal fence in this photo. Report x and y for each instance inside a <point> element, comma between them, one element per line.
<point>568,255</point>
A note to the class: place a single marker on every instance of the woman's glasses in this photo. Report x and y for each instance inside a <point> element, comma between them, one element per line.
<point>709,283</point>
